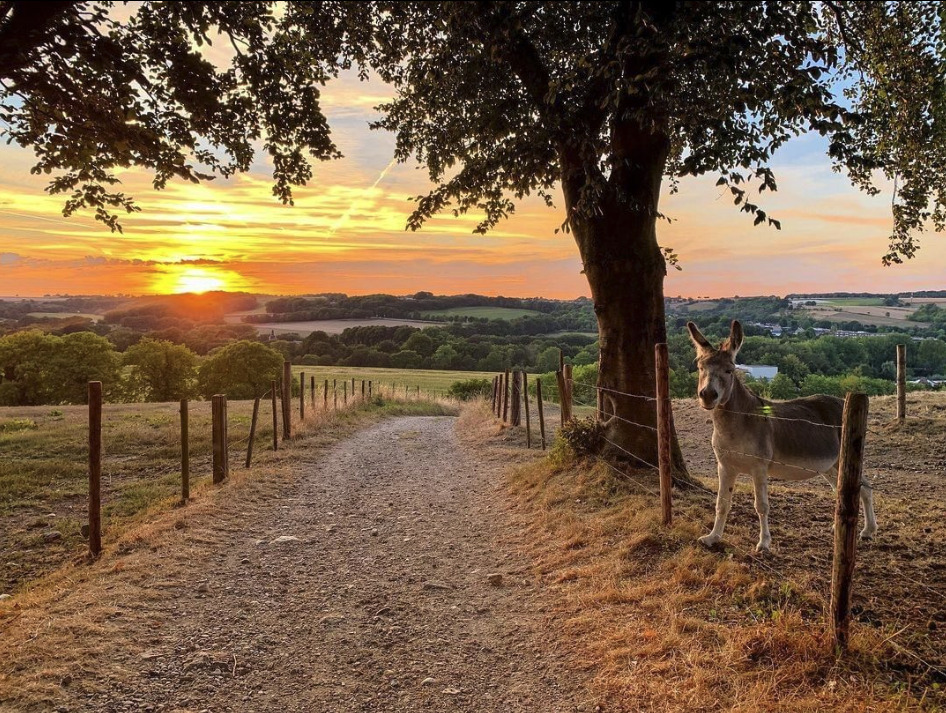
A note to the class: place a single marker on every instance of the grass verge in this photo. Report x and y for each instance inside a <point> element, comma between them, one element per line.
<point>662,624</point>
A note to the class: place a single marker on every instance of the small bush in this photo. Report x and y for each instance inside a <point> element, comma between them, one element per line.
<point>470,389</point>
<point>17,424</point>
<point>583,436</point>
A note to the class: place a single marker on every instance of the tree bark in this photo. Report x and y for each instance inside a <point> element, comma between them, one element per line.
<point>625,269</point>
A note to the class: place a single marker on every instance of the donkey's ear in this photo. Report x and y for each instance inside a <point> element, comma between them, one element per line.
<point>734,342</point>
<point>699,341</point>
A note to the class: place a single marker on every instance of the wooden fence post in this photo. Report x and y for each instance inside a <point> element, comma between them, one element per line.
<point>302,396</point>
<point>275,417</point>
<point>662,361</point>
<point>493,403</point>
<point>221,465</point>
<point>851,463</point>
<point>185,454</point>
<point>538,400</point>
<point>515,417</point>
<point>525,399</point>
<point>325,396</point>
<point>345,392</point>
<point>362,390</point>
<point>353,388</point>
<point>286,398</point>
<point>95,468</point>
<point>249,445</point>
<point>901,383</point>
<point>569,390</point>
<point>335,394</point>
<point>505,396</point>
<point>312,390</point>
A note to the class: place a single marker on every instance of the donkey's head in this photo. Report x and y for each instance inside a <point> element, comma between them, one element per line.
<point>717,366</point>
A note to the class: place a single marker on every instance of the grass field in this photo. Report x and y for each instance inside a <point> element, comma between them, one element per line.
<point>44,469</point>
<point>331,326</point>
<point>855,301</point>
<point>483,312</point>
<point>65,315</point>
<point>427,379</point>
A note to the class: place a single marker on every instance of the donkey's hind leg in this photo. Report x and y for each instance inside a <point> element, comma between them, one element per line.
<point>867,500</point>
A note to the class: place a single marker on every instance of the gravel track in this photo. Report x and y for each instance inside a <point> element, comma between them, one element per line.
<point>363,587</point>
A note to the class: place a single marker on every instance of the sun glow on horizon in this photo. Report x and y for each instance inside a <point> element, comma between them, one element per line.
<point>178,279</point>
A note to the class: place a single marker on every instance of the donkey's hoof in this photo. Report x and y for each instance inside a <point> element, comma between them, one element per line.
<point>763,546</point>
<point>867,535</point>
<point>708,541</point>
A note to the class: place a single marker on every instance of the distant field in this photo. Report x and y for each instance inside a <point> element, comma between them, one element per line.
<point>881,316</point>
<point>484,312</point>
<point>65,315</point>
<point>700,306</point>
<point>427,379</point>
<point>854,301</point>
<point>331,326</point>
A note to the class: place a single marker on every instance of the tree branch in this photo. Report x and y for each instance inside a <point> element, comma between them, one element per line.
<point>25,26</point>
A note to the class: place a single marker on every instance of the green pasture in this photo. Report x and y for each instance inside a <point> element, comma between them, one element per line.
<point>483,312</point>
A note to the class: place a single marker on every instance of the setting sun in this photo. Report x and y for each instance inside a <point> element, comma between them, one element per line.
<point>178,279</point>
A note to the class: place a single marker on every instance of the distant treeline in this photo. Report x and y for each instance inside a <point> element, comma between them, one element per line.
<point>556,315</point>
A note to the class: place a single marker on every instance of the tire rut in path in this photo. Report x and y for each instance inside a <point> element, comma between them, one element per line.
<point>382,604</point>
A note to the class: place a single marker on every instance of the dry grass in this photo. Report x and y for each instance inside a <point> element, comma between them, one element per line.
<point>664,625</point>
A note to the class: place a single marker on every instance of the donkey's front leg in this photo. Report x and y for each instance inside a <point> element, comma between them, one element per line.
<point>760,482</point>
<point>727,480</point>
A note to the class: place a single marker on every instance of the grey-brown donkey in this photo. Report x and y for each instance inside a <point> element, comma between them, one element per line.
<point>783,440</point>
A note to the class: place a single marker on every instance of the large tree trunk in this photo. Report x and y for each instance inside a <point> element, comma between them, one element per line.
<point>625,269</point>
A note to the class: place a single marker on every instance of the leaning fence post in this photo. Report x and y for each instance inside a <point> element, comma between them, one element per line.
<point>185,455</point>
<point>272,391</point>
<point>221,465</point>
<point>95,468</point>
<point>493,402</point>
<point>506,396</point>
<point>525,398</point>
<point>515,418</point>
<point>901,383</point>
<point>249,446</point>
<point>302,396</point>
<point>662,361</point>
<point>851,463</point>
<point>286,398</point>
<point>538,399</point>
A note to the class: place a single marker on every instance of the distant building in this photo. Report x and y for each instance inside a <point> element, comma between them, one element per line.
<point>759,371</point>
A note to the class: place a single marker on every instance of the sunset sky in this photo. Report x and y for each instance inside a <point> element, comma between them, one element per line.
<point>346,233</point>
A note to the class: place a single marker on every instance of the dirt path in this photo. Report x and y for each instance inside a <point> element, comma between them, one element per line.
<point>362,587</point>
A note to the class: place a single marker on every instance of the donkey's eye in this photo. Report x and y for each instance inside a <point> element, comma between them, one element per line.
<point>729,371</point>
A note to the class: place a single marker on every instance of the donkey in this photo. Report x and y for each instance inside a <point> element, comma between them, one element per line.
<point>784,440</point>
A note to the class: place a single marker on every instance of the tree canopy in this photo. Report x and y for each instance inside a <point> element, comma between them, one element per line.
<point>496,99</point>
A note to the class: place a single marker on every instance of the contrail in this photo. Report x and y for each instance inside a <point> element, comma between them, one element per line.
<point>347,214</point>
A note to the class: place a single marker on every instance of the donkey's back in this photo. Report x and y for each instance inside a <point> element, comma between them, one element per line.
<point>805,436</point>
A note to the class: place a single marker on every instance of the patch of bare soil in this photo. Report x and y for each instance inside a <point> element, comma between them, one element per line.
<point>900,577</point>
<point>381,575</point>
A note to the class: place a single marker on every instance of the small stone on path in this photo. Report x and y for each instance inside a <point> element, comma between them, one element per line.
<point>495,579</point>
<point>433,585</point>
<point>429,681</point>
<point>284,539</point>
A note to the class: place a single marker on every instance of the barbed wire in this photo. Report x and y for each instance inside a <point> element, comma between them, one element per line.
<point>609,390</point>
<point>627,452</point>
